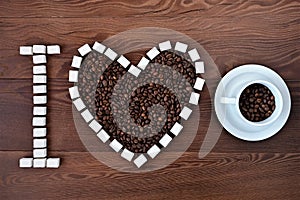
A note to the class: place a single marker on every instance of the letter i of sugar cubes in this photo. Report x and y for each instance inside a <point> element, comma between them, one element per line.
<point>39,159</point>
<point>39,111</point>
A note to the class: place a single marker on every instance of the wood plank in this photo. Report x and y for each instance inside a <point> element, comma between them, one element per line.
<point>154,8</point>
<point>232,32</point>
<point>273,40</point>
<point>16,106</point>
<point>218,176</point>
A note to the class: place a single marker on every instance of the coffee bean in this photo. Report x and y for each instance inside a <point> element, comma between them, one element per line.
<point>98,100</point>
<point>257,103</point>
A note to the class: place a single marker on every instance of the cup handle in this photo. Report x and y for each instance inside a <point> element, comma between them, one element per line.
<point>228,100</point>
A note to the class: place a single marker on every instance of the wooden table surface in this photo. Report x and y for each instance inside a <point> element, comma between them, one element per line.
<point>233,33</point>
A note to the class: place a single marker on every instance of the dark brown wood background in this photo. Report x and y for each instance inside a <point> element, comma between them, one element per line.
<point>233,33</point>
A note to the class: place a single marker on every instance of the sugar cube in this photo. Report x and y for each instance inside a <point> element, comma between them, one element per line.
<point>110,54</point>
<point>87,116</point>
<point>153,151</point>
<point>73,76</point>
<point>152,53</point>
<point>194,98</point>
<point>39,59</point>
<point>134,70</point>
<point>163,46</point>
<point>199,83</point>
<point>39,89</point>
<point>25,162</point>
<point>78,103</point>
<point>39,143</point>
<point>95,126</point>
<point>39,79</point>
<point>39,69</point>
<point>128,155</point>
<point>185,113</point>
<point>143,63</point>
<point>39,163</point>
<point>123,61</point>
<point>176,128</point>
<point>103,136</point>
<point>165,140</point>
<point>115,145</point>
<point>53,162</point>
<point>53,49</point>
<point>26,50</point>
<point>39,153</point>
<point>99,47</point>
<point>194,55</point>
<point>39,110</point>
<point>38,121</point>
<point>139,161</point>
<point>74,93</point>
<point>39,132</point>
<point>85,49</point>
<point>41,49</point>
<point>39,100</point>
<point>76,62</point>
<point>181,47</point>
<point>199,67</point>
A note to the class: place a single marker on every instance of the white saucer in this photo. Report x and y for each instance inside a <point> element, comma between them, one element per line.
<point>230,85</point>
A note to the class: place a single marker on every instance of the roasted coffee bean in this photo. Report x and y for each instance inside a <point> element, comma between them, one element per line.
<point>140,100</point>
<point>257,103</point>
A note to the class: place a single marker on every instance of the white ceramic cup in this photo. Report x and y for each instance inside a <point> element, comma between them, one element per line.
<point>234,101</point>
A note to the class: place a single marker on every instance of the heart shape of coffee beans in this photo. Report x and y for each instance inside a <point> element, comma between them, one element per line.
<point>134,147</point>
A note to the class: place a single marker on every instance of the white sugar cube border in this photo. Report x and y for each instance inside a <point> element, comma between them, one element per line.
<point>39,121</point>
<point>138,159</point>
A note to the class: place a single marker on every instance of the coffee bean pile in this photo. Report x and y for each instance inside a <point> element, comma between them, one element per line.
<point>139,138</point>
<point>98,97</point>
<point>181,63</point>
<point>92,65</point>
<point>257,103</point>
<point>148,95</point>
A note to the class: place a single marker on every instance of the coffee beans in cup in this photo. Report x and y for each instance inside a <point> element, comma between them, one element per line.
<point>257,102</point>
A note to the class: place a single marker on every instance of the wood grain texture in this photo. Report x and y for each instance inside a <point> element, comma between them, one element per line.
<point>135,8</point>
<point>219,176</point>
<point>260,38</point>
<point>232,32</point>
